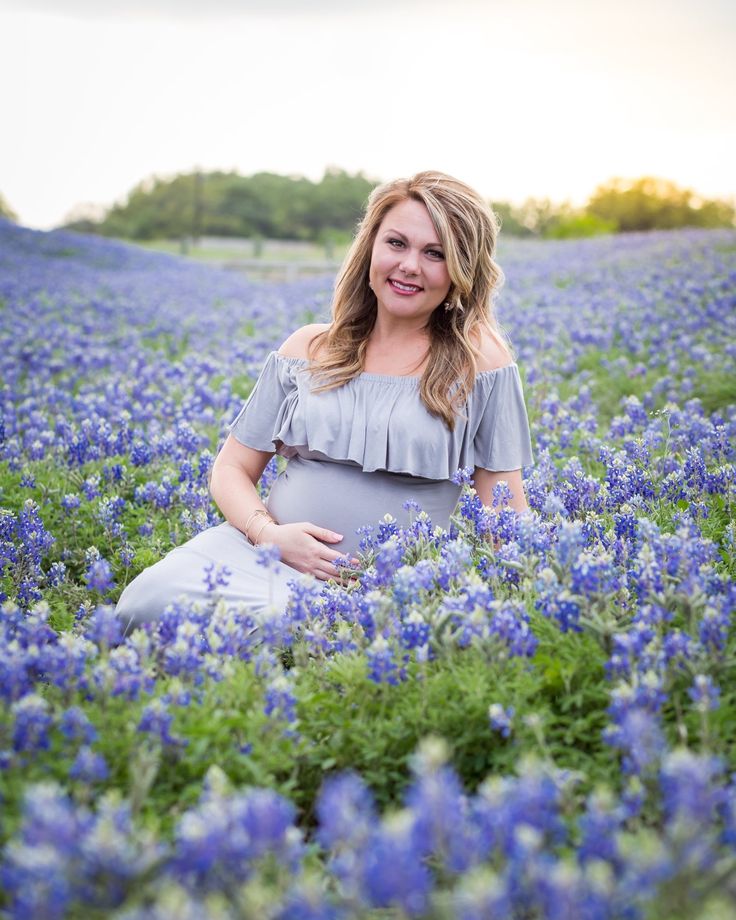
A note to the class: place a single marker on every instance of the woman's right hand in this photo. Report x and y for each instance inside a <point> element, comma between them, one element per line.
<point>302,546</point>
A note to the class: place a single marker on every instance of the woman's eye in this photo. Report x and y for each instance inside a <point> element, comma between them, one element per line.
<point>435,254</point>
<point>395,243</point>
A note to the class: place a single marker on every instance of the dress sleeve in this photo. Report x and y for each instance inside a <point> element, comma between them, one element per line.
<point>257,423</point>
<point>501,441</point>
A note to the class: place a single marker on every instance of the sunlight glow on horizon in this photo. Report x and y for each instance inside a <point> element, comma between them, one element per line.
<point>539,100</point>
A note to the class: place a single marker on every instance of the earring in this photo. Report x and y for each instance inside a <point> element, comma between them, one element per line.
<point>457,305</point>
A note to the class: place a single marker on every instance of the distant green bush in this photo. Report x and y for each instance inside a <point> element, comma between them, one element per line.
<point>657,204</point>
<point>580,225</point>
<point>6,211</point>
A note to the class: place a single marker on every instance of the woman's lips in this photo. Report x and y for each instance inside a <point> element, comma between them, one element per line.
<point>402,287</point>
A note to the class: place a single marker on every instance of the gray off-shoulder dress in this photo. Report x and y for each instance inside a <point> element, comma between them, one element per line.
<point>355,453</point>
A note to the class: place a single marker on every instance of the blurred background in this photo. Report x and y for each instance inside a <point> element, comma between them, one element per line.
<point>248,129</point>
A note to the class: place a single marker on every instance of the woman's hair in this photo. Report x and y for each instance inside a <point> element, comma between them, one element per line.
<point>468,229</point>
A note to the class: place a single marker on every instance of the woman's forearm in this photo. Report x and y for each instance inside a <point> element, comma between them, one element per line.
<point>235,473</point>
<point>237,498</point>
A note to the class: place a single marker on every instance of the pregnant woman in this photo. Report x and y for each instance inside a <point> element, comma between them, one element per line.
<point>411,381</point>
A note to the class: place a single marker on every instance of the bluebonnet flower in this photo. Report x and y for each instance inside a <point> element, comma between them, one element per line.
<point>593,574</point>
<point>141,453</point>
<point>456,557</point>
<point>156,720</point>
<point>56,574</point>
<point>386,529</point>
<point>382,664</point>
<point>501,718</point>
<point>89,766</point>
<point>75,725</point>
<point>280,698</point>
<point>481,894</point>
<point>502,495</point>
<point>463,476</point>
<point>268,555</point>
<point>638,735</point>
<point>40,887</point>
<point>504,805</point>
<point>126,554</point>
<point>387,560</point>
<point>305,598</point>
<point>570,542</point>
<point>440,809</point>
<point>714,625</point>
<point>98,575</point>
<point>473,511</point>
<point>415,631</point>
<point>690,789</point>
<point>600,825</point>
<point>216,577</point>
<point>309,902</point>
<point>392,872</point>
<point>31,723</point>
<point>556,601</point>
<point>219,843</point>
<point>346,811</point>
<point>122,673</point>
<point>91,487</point>
<point>104,628</point>
<point>704,693</point>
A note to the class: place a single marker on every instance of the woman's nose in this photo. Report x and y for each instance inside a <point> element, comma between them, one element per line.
<point>410,263</point>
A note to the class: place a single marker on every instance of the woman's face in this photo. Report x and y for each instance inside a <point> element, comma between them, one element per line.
<point>408,272</point>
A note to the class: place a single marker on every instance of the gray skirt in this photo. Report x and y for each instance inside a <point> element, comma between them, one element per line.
<point>182,574</point>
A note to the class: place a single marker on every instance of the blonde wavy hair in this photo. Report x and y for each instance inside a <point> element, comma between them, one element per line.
<point>468,230</point>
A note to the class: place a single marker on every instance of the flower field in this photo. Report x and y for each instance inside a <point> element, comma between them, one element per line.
<point>538,725</point>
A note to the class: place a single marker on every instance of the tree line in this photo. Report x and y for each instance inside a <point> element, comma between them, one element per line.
<point>618,206</point>
<point>272,206</point>
<point>264,205</point>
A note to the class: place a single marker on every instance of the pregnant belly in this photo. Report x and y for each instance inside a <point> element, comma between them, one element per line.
<point>341,497</point>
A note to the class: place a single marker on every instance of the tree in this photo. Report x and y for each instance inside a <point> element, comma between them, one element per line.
<point>227,204</point>
<point>656,204</point>
<point>6,211</point>
<point>534,217</point>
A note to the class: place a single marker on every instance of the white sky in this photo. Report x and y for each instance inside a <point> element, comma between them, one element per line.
<point>517,97</point>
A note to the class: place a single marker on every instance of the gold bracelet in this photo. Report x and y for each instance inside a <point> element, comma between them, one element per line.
<point>253,515</point>
<point>256,542</point>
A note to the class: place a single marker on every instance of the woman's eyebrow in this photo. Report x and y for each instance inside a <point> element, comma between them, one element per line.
<point>403,237</point>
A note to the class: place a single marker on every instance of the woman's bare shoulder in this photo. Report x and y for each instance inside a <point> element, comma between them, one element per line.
<point>297,345</point>
<point>493,353</point>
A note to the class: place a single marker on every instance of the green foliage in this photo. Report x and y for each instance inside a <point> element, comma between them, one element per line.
<point>265,205</point>
<point>656,204</point>
<point>580,225</point>
<point>6,211</point>
<point>716,390</point>
<point>349,722</point>
<point>534,217</point>
<point>618,205</point>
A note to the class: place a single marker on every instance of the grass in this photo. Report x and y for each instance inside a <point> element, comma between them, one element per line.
<point>231,250</point>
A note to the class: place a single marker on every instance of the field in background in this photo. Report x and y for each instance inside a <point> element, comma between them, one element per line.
<point>259,259</point>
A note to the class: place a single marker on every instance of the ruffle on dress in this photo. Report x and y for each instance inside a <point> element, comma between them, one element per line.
<point>380,422</point>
